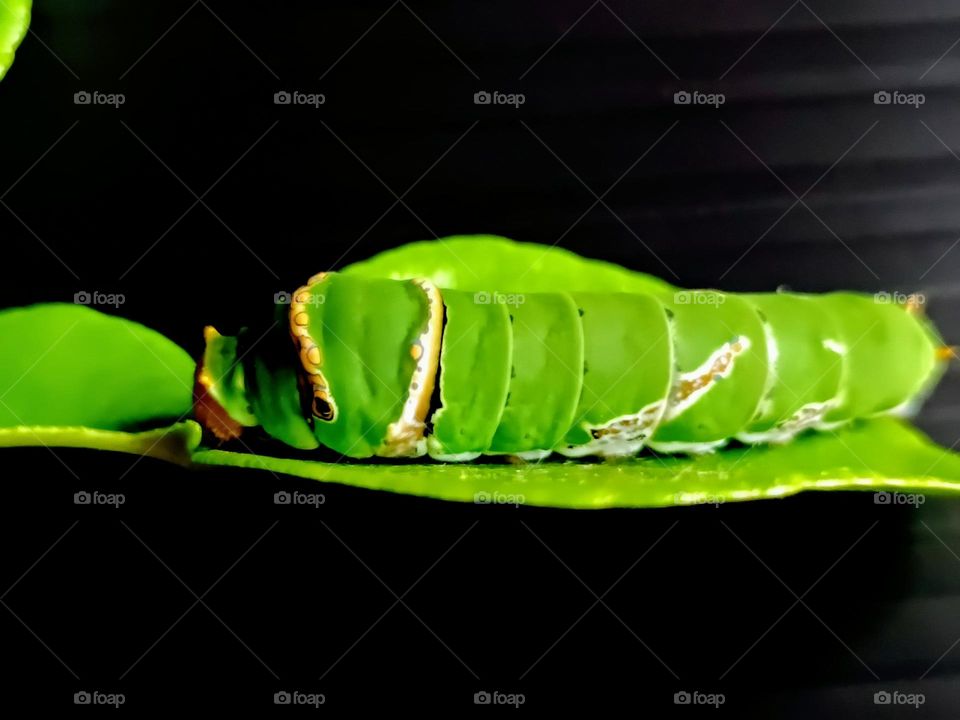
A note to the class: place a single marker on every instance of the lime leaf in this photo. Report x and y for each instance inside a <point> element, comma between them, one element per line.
<point>488,263</point>
<point>174,443</point>
<point>14,21</point>
<point>69,365</point>
<point>883,454</point>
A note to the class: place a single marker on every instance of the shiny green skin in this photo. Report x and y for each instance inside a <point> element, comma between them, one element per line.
<point>890,354</point>
<point>14,22</point>
<point>272,387</point>
<point>703,322</point>
<point>475,357</point>
<point>547,353</point>
<point>535,371</point>
<point>628,358</point>
<point>806,371</point>
<point>365,329</point>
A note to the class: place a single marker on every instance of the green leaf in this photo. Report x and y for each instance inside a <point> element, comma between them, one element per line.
<point>884,454</point>
<point>14,21</point>
<point>175,443</point>
<point>488,263</point>
<point>69,365</point>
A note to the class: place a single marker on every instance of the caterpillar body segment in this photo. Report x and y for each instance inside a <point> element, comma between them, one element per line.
<point>365,333</point>
<point>476,359</point>
<point>720,371</point>
<point>890,356</point>
<point>399,368</point>
<point>275,386</point>
<point>547,348</point>
<point>804,367</point>
<point>627,374</point>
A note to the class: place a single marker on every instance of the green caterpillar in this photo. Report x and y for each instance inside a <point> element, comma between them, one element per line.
<point>371,362</point>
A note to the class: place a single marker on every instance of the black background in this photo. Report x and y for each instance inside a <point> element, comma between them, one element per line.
<point>104,199</point>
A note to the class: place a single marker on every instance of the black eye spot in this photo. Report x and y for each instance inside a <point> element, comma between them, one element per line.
<point>323,409</point>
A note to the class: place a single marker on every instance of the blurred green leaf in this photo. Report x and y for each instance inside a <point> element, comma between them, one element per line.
<point>14,21</point>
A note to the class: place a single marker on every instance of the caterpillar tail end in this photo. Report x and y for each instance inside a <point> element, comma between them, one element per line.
<point>211,398</point>
<point>947,353</point>
<point>914,305</point>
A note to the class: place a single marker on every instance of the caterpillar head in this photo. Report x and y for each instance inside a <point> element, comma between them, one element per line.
<point>349,363</point>
<point>250,380</point>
